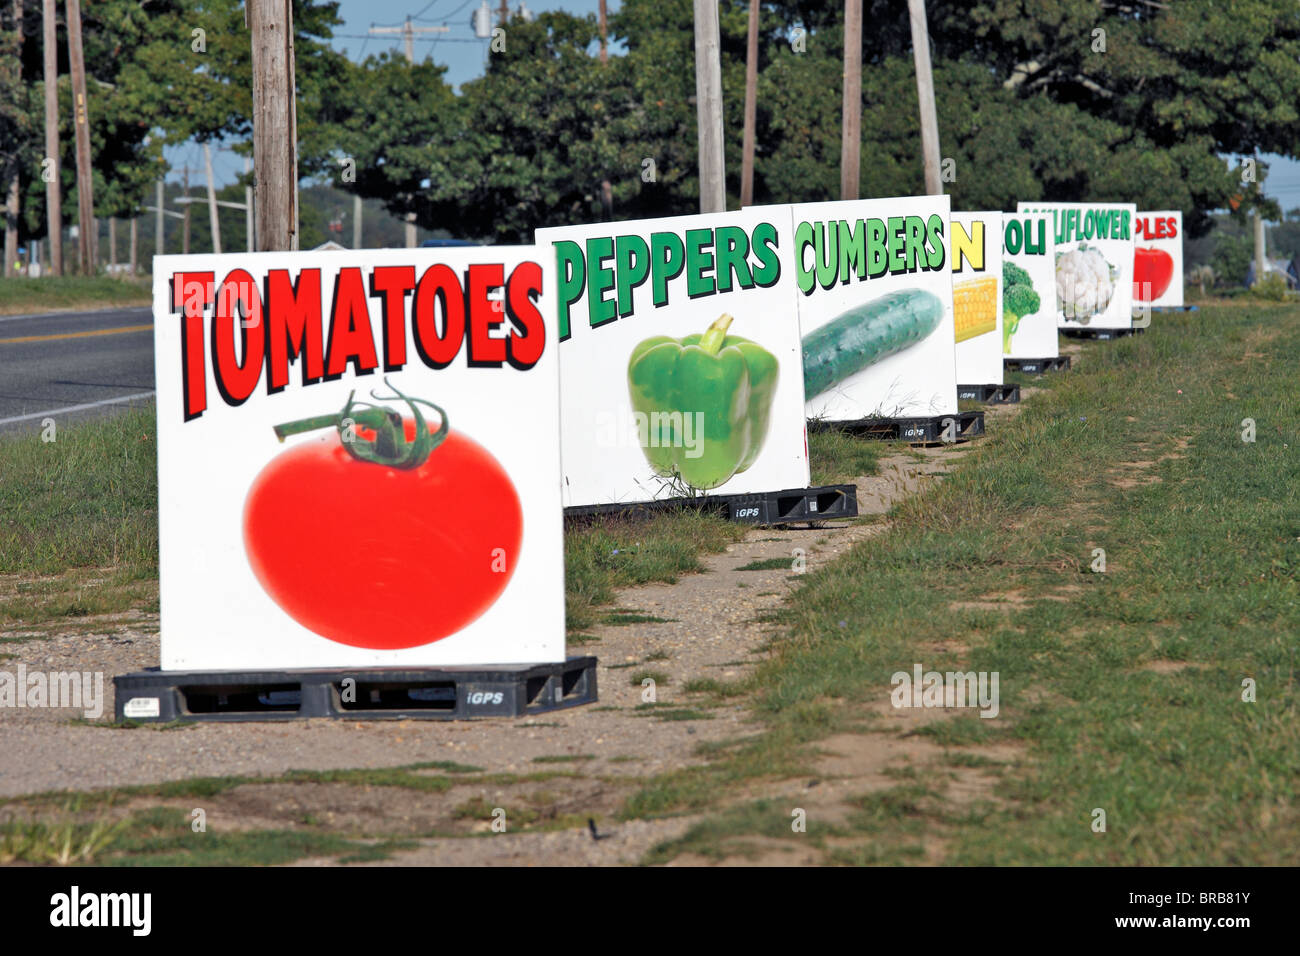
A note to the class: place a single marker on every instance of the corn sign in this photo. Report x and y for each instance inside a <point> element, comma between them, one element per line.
<point>976,241</point>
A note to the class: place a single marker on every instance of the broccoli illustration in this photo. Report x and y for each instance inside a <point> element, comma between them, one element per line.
<point>1018,300</point>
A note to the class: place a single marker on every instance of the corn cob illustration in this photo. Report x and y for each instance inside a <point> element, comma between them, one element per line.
<point>975,307</point>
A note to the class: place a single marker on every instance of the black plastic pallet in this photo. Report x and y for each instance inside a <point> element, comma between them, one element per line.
<point>795,506</point>
<point>1103,335</point>
<point>918,431</point>
<point>989,394</point>
<point>447,693</point>
<point>1058,363</point>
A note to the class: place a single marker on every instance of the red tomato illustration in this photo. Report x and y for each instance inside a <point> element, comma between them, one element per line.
<point>1153,270</point>
<point>383,557</point>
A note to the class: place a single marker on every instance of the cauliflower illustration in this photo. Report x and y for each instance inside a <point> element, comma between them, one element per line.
<point>1084,283</point>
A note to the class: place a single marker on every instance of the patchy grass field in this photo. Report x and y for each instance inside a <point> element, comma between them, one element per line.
<point>20,296</point>
<point>1160,690</point>
<point>1120,691</point>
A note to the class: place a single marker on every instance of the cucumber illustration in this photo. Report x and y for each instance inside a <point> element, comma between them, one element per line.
<point>866,334</point>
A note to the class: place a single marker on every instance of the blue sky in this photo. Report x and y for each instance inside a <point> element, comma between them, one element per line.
<point>464,56</point>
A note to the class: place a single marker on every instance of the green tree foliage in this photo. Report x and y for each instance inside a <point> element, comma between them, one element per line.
<point>158,71</point>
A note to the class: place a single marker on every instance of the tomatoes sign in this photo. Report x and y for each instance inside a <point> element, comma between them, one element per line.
<point>358,459</point>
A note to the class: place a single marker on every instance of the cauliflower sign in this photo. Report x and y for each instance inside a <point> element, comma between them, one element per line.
<point>1085,283</point>
<point>1094,262</point>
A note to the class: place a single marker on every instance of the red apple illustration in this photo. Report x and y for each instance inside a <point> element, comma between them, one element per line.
<point>1153,270</point>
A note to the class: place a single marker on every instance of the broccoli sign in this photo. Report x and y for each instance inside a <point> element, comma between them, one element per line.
<point>1028,287</point>
<point>1094,262</point>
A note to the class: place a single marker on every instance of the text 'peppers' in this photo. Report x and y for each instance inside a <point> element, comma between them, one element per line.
<point>702,403</point>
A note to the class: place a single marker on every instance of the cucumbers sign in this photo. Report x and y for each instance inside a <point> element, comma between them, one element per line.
<point>358,459</point>
<point>1028,287</point>
<point>1094,262</point>
<point>976,244</point>
<point>875,306</point>
<point>1158,260</point>
<point>679,356</point>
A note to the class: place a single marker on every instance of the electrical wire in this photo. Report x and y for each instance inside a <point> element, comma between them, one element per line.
<point>449,15</point>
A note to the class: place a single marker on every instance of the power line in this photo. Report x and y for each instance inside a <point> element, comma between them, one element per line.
<point>422,12</point>
<point>448,16</point>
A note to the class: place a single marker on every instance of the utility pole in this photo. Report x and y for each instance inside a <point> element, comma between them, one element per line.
<point>356,222</point>
<point>213,219</point>
<point>504,13</point>
<point>604,56</point>
<point>89,232</point>
<point>135,243</point>
<point>851,115</point>
<point>606,187</point>
<point>14,198</point>
<point>751,108</point>
<point>275,133</point>
<point>925,94</point>
<point>708,97</point>
<point>159,236</point>
<point>50,167</point>
<point>112,241</point>
<point>408,32</point>
<point>248,206</point>
<point>185,241</point>
<point>1260,259</point>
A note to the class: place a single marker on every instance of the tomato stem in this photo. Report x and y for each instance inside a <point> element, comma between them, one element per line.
<point>389,446</point>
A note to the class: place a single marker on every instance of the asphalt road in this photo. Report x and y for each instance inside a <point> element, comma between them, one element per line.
<point>73,365</point>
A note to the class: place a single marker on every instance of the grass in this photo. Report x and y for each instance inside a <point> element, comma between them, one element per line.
<point>836,458</point>
<point>616,552</point>
<point>79,521</point>
<point>768,564</point>
<point>1203,566</point>
<point>50,294</point>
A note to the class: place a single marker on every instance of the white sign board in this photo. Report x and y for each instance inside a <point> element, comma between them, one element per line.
<point>679,357</point>
<point>1158,260</point>
<point>976,251</point>
<point>1094,262</point>
<point>1028,287</point>
<point>875,307</point>
<point>358,459</point>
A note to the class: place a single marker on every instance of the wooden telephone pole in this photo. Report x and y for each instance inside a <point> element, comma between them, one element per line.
<point>88,233</point>
<point>275,132</point>
<point>14,197</point>
<point>408,33</point>
<point>925,94</point>
<point>751,109</point>
<point>708,96</point>
<point>214,221</point>
<point>851,115</point>
<point>50,166</point>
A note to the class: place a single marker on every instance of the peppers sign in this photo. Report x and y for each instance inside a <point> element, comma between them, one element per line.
<point>358,459</point>
<point>1158,260</point>
<point>875,307</point>
<point>1094,262</point>
<point>679,357</point>
<point>976,251</point>
<point>1029,287</point>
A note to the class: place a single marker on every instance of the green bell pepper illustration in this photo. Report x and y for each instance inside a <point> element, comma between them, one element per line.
<point>702,403</point>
